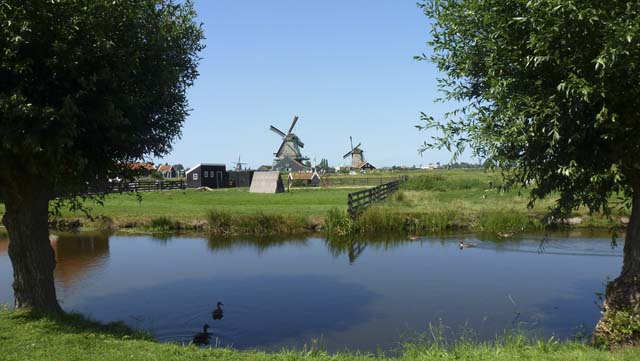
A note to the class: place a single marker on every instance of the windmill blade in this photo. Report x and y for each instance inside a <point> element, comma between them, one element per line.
<point>351,141</point>
<point>300,144</point>
<point>348,154</point>
<point>280,149</point>
<point>359,144</point>
<point>293,124</point>
<point>277,131</point>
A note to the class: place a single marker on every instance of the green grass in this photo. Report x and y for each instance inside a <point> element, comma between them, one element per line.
<point>431,201</point>
<point>32,336</point>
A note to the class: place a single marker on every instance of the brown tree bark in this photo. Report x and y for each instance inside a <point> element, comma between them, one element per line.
<point>30,251</point>
<point>623,294</point>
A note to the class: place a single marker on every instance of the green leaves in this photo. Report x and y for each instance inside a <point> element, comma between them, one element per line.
<point>86,86</point>
<point>549,92</point>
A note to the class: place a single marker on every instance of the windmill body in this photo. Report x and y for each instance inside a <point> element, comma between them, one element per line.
<point>289,156</point>
<point>358,161</point>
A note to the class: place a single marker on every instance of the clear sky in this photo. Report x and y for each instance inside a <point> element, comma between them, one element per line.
<point>345,67</point>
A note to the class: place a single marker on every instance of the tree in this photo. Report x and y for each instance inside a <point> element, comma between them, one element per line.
<point>324,165</point>
<point>86,87</point>
<point>549,94</point>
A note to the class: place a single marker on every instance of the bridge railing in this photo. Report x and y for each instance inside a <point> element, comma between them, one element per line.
<point>362,199</point>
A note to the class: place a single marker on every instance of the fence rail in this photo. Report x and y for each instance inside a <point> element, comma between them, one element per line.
<point>361,199</point>
<point>144,186</point>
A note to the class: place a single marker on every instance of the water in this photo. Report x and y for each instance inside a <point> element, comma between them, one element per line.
<point>367,296</point>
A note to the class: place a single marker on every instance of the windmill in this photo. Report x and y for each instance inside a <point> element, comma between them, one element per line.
<point>291,144</point>
<point>238,165</point>
<point>356,153</point>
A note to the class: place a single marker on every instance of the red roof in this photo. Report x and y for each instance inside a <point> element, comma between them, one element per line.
<point>140,166</point>
<point>165,168</point>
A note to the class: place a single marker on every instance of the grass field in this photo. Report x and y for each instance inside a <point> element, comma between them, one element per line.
<point>29,336</point>
<point>431,201</point>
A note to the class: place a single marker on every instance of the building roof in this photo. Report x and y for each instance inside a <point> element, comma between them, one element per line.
<point>201,164</point>
<point>165,168</point>
<point>302,176</point>
<point>364,165</point>
<point>140,166</point>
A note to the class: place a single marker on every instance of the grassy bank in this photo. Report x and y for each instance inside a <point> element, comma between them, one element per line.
<point>38,337</point>
<point>431,201</point>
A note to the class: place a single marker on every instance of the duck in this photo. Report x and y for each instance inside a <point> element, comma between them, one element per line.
<point>505,234</point>
<point>202,338</point>
<point>217,314</point>
<point>462,245</point>
<point>414,238</point>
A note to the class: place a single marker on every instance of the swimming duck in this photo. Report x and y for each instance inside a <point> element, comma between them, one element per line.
<point>202,338</point>
<point>505,234</point>
<point>414,238</point>
<point>462,245</point>
<point>217,314</point>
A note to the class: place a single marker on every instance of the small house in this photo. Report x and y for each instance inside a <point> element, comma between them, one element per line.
<point>364,166</point>
<point>167,171</point>
<point>304,179</point>
<point>207,175</point>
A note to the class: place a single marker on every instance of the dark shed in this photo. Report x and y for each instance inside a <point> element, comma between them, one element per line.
<point>240,178</point>
<point>207,175</point>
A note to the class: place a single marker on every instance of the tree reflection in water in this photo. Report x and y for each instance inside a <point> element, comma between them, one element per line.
<point>78,253</point>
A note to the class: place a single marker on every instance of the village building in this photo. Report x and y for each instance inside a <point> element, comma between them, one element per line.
<point>288,164</point>
<point>240,178</point>
<point>208,175</point>
<point>308,179</point>
<point>168,171</point>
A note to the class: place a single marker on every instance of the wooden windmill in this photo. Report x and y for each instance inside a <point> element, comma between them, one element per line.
<point>291,144</point>
<point>356,153</point>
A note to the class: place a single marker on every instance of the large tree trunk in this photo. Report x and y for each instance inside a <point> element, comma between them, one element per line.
<point>623,294</point>
<point>31,254</point>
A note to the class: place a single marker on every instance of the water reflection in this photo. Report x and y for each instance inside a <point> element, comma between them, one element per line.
<point>4,245</point>
<point>352,293</point>
<point>77,254</point>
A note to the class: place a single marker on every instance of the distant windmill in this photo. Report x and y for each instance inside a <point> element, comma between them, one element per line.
<point>356,153</point>
<point>239,165</point>
<point>291,144</point>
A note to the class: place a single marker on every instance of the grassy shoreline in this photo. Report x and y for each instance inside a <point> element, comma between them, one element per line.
<point>33,336</point>
<point>430,202</point>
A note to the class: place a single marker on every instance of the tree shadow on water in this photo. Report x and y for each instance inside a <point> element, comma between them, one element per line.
<point>259,310</point>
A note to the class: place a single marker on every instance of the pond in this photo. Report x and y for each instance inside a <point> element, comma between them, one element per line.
<point>366,295</point>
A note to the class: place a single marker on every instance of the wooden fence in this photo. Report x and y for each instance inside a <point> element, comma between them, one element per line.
<point>361,199</point>
<point>144,186</point>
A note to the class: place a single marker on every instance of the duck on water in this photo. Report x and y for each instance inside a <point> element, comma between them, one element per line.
<point>202,338</point>
<point>217,314</point>
<point>462,245</point>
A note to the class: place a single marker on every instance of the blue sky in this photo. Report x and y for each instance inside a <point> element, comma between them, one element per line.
<point>345,67</point>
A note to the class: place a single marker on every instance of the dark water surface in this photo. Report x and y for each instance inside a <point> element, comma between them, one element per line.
<point>359,295</point>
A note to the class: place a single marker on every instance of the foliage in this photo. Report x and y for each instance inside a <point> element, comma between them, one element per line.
<point>549,93</point>
<point>324,165</point>
<point>622,328</point>
<point>164,224</point>
<point>87,87</point>
<point>40,337</point>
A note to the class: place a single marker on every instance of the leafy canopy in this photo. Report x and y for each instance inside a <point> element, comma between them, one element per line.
<point>87,86</point>
<point>550,92</point>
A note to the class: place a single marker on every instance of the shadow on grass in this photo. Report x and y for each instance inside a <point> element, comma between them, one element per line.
<point>75,323</point>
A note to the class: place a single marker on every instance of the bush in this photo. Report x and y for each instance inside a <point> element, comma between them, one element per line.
<point>220,222</point>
